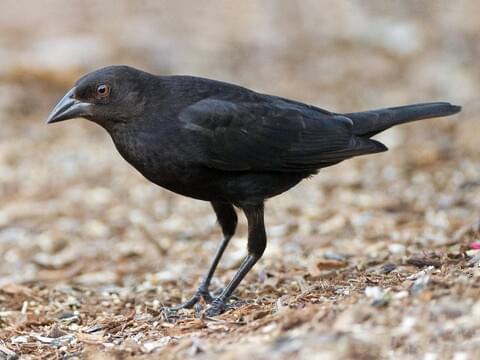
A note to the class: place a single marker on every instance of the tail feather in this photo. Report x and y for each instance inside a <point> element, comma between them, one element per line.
<point>369,123</point>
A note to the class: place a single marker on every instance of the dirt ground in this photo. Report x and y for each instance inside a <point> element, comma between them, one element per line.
<point>371,259</point>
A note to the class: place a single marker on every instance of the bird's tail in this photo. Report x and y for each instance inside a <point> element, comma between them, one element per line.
<point>369,123</point>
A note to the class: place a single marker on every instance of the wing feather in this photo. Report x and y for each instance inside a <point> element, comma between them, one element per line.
<point>263,136</point>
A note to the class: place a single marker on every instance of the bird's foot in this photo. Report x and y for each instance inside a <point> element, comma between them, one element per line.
<point>220,305</point>
<point>201,293</point>
<point>216,307</point>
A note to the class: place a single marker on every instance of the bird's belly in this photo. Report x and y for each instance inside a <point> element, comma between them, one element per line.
<point>191,179</point>
<point>238,188</point>
<point>188,183</point>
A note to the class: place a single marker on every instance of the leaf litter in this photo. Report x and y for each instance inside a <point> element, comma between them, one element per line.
<point>374,258</point>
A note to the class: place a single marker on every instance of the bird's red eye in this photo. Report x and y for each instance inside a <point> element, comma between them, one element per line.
<point>103,90</point>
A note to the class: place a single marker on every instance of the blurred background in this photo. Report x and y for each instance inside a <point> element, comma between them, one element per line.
<point>73,212</point>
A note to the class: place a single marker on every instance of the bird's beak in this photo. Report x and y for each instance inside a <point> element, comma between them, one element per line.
<point>69,108</point>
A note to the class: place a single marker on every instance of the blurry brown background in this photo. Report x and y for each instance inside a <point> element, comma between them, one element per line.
<point>75,219</point>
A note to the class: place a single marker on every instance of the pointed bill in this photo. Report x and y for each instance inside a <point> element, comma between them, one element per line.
<point>68,108</point>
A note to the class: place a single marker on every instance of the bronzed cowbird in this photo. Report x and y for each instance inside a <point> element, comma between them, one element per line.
<point>225,144</point>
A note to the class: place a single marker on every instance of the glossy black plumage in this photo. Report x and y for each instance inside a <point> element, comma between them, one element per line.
<point>225,144</point>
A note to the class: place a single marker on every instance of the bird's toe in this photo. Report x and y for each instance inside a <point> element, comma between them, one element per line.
<point>187,304</point>
<point>217,307</point>
<point>201,293</point>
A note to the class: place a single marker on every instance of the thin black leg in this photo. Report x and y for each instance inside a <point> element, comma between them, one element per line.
<point>227,218</point>
<point>257,241</point>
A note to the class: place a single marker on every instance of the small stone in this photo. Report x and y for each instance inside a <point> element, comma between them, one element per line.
<point>420,284</point>
<point>388,268</point>
<point>378,295</point>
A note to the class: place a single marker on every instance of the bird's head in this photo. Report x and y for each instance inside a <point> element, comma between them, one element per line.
<point>108,96</point>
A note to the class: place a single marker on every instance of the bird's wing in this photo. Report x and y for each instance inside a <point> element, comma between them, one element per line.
<point>271,136</point>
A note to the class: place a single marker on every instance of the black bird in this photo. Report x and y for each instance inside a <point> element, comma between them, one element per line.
<point>225,144</point>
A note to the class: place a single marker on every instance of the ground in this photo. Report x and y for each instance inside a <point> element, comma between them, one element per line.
<point>371,259</point>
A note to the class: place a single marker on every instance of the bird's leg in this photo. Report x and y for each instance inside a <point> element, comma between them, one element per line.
<point>227,218</point>
<point>257,241</point>
<point>202,290</point>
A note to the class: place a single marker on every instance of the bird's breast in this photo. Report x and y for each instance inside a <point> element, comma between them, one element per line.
<point>163,161</point>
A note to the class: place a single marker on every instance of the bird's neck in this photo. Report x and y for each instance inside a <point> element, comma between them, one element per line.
<point>129,144</point>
